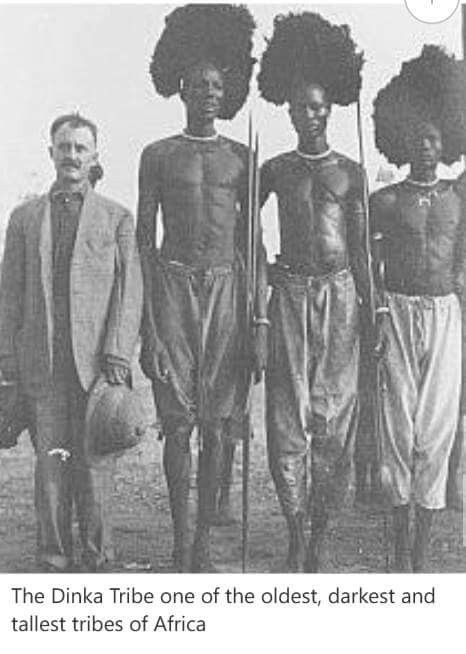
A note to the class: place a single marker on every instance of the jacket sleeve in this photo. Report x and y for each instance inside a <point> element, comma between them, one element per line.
<point>12,289</point>
<point>126,301</point>
<point>148,203</point>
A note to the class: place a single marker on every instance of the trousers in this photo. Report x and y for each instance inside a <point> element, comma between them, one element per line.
<point>311,387</point>
<point>199,316</point>
<point>421,382</point>
<point>65,476</point>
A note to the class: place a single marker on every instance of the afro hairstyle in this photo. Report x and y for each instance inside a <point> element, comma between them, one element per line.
<point>306,47</point>
<point>430,88</point>
<point>218,34</point>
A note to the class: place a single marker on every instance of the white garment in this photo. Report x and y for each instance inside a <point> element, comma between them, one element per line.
<point>420,384</point>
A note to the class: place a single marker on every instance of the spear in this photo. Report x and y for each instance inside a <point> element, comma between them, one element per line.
<point>463,28</point>
<point>251,263</point>
<point>380,472</point>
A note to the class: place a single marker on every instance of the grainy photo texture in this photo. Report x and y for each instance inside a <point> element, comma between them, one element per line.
<point>232,287</point>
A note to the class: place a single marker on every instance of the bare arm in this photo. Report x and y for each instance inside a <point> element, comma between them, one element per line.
<point>460,246</point>
<point>380,204</point>
<point>153,359</point>
<point>260,297</point>
<point>357,239</point>
<point>148,204</point>
<point>265,190</point>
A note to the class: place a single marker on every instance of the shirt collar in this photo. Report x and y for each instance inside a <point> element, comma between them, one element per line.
<point>77,192</point>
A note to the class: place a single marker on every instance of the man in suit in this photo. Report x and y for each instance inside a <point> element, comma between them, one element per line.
<point>70,303</point>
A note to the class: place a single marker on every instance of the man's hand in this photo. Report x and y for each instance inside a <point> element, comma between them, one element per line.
<point>379,339</point>
<point>115,373</point>
<point>154,362</point>
<point>260,351</point>
<point>373,335</point>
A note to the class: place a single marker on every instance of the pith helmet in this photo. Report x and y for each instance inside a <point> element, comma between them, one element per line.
<point>116,419</point>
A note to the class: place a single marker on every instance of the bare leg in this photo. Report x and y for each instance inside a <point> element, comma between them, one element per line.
<point>288,473</point>
<point>361,472</point>
<point>296,542</point>
<point>423,528</point>
<point>319,521</point>
<point>210,465</point>
<point>330,474</point>
<point>401,537</point>
<point>177,465</point>
<point>224,515</point>
<point>454,484</point>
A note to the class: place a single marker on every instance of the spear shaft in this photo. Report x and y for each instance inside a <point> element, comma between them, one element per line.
<point>251,264</point>
<point>376,408</point>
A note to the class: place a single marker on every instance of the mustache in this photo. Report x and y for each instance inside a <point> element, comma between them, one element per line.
<point>71,163</point>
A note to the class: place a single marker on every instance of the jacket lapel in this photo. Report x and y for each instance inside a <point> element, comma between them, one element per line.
<point>87,222</point>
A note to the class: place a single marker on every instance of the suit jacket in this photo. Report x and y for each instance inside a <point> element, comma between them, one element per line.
<point>105,291</point>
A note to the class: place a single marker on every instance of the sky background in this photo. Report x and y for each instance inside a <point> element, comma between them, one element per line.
<point>95,59</point>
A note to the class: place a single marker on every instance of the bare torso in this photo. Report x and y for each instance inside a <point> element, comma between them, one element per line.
<point>314,198</point>
<point>200,186</point>
<point>422,239</point>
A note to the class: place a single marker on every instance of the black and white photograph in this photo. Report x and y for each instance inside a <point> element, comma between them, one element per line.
<point>233,275</point>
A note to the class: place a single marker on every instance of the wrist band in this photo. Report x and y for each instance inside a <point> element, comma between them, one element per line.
<point>261,321</point>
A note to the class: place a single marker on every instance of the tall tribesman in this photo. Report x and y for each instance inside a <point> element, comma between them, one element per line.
<point>193,337</point>
<point>311,380</point>
<point>417,227</point>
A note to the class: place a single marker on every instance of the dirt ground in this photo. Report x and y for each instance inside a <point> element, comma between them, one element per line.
<point>142,528</point>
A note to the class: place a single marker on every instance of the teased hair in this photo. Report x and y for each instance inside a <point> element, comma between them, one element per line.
<point>306,47</point>
<point>218,34</point>
<point>75,121</point>
<point>430,88</point>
